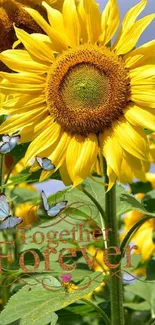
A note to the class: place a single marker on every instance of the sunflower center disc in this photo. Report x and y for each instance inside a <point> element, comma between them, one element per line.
<point>85,86</point>
<point>87,89</point>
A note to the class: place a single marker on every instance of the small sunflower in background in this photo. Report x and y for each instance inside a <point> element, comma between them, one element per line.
<point>146,248</point>
<point>78,95</point>
<point>28,213</point>
<point>143,237</point>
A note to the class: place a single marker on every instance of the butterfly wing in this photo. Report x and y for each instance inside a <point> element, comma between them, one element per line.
<point>47,164</point>
<point>55,209</point>
<point>5,138</point>
<point>10,222</point>
<point>4,147</point>
<point>45,203</point>
<point>4,207</point>
<point>39,160</point>
<point>61,205</point>
<point>13,141</point>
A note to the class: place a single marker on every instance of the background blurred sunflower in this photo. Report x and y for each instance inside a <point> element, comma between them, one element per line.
<point>146,248</point>
<point>77,97</point>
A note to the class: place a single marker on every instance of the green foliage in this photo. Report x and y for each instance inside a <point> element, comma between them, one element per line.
<point>140,187</point>
<point>24,195</point>
<point>145,291</point>
<point>32,304</point>
<point>37,304</point>
<point>19,151</point>
<point>150,270</point>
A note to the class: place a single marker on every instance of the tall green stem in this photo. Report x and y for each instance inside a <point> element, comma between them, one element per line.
<point>1,170</point>
<point>5,294</point>
<point>116,285</point>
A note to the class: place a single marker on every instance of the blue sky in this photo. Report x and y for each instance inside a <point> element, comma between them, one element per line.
<point>52,186</point>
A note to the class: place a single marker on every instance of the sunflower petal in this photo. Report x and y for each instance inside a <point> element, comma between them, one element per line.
<point>129,19</point>
<point>86,159</point>
<point>126,172</point>
<point>23,77</point>
<point>57,39</point>
<point>44,140</point>
<point>143,95</point>
<point>143,74</point>
<point>92,19</point>
<point>72,154</point>
<point>132,139</point>
<point>81,15</point>
<point>25,102</point>
<point>132,14</point>
<point>111,177</point>
<point>8,88</point>
<point>59,154</point>
<point>64,174</point>
<point>129,38</point>
<point>141,116</point>
<point>17,122</point>
<point>109,21</point>
<point>139,56</point>
<point>54,16</point>
<point>27,134</point>
<point>71,22</point>
<point>20,60</point>
<point>112,151</point>
<point>36,47</point>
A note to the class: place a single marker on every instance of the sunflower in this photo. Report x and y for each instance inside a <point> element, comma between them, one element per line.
<point>27,212</point>
<point>146,248</point>
<point>79,96</point>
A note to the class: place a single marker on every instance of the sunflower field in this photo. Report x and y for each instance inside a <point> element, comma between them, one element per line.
<point>77,154</point>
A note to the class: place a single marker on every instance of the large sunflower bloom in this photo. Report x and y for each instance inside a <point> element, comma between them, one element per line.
<point>77,97</point>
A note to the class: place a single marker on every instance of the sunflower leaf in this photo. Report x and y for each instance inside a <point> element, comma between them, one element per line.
<point>24,195</point>
<point>37,304</point>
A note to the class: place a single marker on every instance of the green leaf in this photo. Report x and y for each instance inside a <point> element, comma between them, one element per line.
<point>135,260</point>
<point>24,195</point>
<point>36,304</point>
<point>140,187</point>
<point>150,270</point>
<point>16,179</point>
<point>54,319</point>
<point>134,204</point>
<point>144,290</point>
<point>81,309</point>
<point>124,201</point>
<point>140,306</point>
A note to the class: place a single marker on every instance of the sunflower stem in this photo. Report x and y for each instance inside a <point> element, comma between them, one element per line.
<point>116,284</point>
<point>1,170</point>
<point>98,309</point>
<point>5,291</point>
